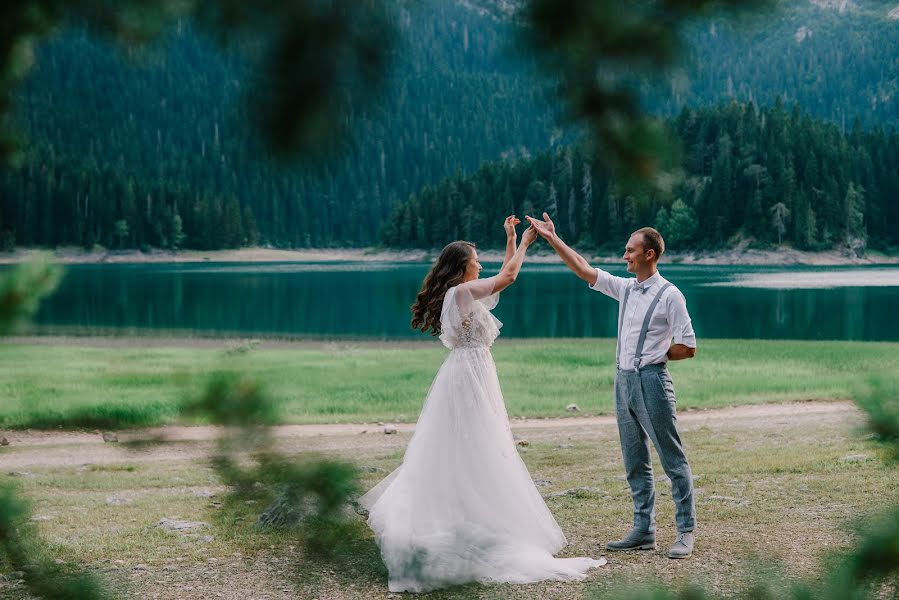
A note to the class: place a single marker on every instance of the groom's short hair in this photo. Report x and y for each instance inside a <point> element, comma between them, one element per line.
<point>652,240</point>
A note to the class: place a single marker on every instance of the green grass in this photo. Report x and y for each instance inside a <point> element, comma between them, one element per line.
<point>63,386</point>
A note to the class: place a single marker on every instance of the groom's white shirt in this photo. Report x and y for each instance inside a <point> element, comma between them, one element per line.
<point>670,321</point>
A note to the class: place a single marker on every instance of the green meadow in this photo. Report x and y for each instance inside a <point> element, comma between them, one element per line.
<point>68,386</point>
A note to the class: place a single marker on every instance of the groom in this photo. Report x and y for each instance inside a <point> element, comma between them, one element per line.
<point>651,315</point>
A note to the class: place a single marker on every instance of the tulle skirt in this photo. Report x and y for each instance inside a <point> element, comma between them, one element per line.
<point>462,507</point>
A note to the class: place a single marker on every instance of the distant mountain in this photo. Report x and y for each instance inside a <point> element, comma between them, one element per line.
<point>151,148</point>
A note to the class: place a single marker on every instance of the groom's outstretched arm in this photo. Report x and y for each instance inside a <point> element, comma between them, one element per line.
<point>577,263</point>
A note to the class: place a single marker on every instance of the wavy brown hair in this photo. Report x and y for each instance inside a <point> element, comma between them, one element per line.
<point>448,271</point>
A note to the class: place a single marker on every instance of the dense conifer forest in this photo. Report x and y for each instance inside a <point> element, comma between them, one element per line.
<point>767,176</point>
<point>150,148</point>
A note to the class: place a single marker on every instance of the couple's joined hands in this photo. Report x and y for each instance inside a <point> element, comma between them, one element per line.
<point>546,228</point>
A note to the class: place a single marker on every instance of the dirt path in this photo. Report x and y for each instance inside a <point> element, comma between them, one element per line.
<point>31,449</point>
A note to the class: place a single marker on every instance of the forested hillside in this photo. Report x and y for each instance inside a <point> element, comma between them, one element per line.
<point>153,149</point>
<point>122,151</point>
<point>838,59</point>
<point>770,176</point>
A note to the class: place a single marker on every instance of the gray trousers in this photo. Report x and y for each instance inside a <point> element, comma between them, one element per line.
<point>645,410</point>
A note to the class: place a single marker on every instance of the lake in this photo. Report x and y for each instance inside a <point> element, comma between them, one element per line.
<point>371,300</point>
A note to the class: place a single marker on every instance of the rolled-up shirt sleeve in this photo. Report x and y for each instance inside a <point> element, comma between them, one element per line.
<point>679,320</point>
<point>609,285</point>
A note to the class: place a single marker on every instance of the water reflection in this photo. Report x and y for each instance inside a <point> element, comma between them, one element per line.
<point>372,301</point>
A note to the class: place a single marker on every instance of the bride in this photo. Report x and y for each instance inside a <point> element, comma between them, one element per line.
<point>462,507</point>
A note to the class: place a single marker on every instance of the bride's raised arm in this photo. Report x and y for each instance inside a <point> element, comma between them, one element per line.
<point>481,288</point>
<point>509,225</point>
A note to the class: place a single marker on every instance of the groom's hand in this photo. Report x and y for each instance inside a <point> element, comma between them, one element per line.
<point>530,235</point>
<point>572,259</point>
<point>546,228</point>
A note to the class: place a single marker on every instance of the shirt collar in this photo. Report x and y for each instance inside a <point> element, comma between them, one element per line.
<point>647,283</point>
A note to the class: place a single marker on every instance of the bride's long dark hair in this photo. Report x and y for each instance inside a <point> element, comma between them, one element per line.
<point>448,271</point>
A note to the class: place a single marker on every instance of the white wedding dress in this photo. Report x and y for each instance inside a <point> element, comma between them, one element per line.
<point>462,507</point>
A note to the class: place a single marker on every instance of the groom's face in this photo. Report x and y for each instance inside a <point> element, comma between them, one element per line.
<point>634,253</point>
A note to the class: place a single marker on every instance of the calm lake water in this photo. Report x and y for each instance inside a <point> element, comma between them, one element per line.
<point>361,300</point>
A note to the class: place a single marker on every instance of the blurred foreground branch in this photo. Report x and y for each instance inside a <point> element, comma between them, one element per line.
<point>316,57</point>
<point>22,289</point>
<point>21,549</point>
<point>308,495</point>
<point>599,50</point>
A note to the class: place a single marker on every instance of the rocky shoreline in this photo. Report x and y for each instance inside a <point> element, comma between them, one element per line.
<point>541,254</point>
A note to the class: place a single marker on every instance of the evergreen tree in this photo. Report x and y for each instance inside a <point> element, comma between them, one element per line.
<point>779,216</point>
<point>681,230</point>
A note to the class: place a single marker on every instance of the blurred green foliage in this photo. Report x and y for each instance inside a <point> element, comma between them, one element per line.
<point>308,495</point>
<point>599,50</point>
<point>21,548</point>
<point>880,401</point>
<point>231,399</point>
<point>312,55</point>
<point>22,289</point>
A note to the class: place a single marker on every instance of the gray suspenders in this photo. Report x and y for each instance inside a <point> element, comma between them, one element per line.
<point>627,293</point>
<point>638,355</point>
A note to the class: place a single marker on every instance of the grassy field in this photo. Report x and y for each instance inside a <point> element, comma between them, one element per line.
<point>49,386</point>
<point>773,494</point>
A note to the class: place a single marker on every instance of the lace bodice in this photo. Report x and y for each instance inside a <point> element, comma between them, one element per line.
<point>466,320</point>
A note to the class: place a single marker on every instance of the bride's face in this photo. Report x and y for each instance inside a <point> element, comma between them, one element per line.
<point>473,268</point>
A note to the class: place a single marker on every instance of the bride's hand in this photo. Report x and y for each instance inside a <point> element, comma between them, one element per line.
<point>529,235</point>
<point>509,225</point>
